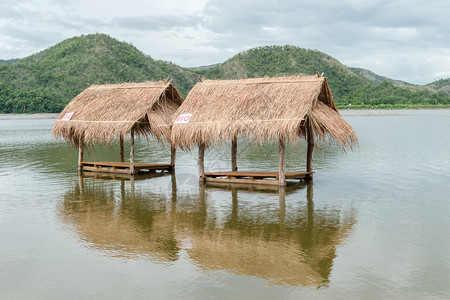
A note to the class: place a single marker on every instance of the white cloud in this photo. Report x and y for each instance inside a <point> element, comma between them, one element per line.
<point>407,40</point>
<point>399,34</point>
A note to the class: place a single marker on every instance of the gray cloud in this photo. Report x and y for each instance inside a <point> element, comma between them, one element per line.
<point>346,29</point>
<point>406,40</point>
<point>163,22</point>
<point>29,30</point>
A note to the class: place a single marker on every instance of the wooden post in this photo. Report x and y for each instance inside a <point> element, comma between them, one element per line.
<point>309,155</point>
<point>80,154</point>
<point>282,203</point>
<point>174,188</point>
<point>202,208</point>
<point>122,156</point>
<point>132,187</point>
<point>173,153</point>
<point>122,191</point>
<point>310,208</point>
<point>234,154</point>
<point>201,162</point>
<point>132,151</point>
<point>281,163</point>
<point>81,184</point>
<point>233,222</point>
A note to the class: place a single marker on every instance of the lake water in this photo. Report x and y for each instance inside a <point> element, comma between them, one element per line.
<point>374,224</point>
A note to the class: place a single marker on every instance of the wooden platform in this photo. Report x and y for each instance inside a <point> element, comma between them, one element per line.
<point>252,177</point>
<point>291,187</point>
<point>124,167</point>
<point>106,176</point>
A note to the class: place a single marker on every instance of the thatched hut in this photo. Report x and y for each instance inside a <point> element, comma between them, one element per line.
<point>90,211</point>
<point>263,110</point>
<point>113,112</point>
<point>285,247</point>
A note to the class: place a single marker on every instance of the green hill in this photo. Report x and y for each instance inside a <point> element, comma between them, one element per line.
<point>375,78</point>
<point>286,60</point>
<point>48,80</point>
<point>442,85</point>
<point>351,87</point>
<point>8,61</point>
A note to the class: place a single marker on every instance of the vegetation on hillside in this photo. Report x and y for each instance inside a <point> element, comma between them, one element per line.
<point>442,85</point>
<point>48,80</point>
<point>371,76</point>
<point>8,61</point>
<point>350,89</point>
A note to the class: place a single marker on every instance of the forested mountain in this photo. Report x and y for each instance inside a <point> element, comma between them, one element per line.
<point>442,85</point>
<point>349,86</point>
<point>48,80</point>
<point>287,60</point>
<point>377,78</point>
<point>8,61</point>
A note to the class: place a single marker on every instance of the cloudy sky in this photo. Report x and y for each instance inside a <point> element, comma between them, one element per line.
<point>406,40</point>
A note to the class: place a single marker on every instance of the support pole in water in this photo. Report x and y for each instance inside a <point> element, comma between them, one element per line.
<point>309,155</point>
<point>173,153</point>
<point>122,156</point>
<point>234,154</point>
<point>132,152</point>
<point>201,162</point>
<point>80,154</point>
<point>281,163</point>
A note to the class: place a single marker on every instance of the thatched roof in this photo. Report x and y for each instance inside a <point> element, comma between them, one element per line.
<point>262,109</point>
<point>102,113</point>
<point>90,212</point>
<point>297,250</point>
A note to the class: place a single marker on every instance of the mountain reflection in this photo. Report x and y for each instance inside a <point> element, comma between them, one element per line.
<point>283,246</point>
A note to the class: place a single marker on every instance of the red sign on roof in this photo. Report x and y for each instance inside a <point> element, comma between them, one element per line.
<point>183,119</point>
<point>67,116</point>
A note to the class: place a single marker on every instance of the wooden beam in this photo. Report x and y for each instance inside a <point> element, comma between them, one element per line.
<point>234,154</point>
<point>122,156</point>
<point>242,181</point>
<point>132,171</point>
<point>309,155</point>
<point>105,170</point>
<point>80,155</point>
<point>255,174</point>
<point>173,154</point>
<point>201,162</point>
<point>281,163</point>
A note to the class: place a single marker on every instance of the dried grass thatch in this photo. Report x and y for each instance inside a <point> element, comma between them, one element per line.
<point>90,212</point>
<point>103,113</point>
<point>262,109</point>
<point>292,251</point>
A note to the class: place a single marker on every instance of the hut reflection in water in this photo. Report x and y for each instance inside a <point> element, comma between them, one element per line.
<point>287,248</point>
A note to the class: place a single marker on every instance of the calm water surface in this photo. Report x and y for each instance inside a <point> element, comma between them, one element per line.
<point>374,224</point>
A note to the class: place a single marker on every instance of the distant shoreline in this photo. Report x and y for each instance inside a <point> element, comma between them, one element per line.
<point>29,116</point>
<point>387,112</point>
<point>343,112</point>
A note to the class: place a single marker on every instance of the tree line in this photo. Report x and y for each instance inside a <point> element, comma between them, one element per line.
<point>48,80</point>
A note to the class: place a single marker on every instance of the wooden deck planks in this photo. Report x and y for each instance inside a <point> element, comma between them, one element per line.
<point>123,167</point>
<point>252,177</point>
